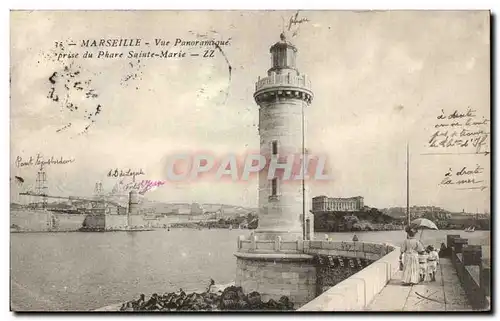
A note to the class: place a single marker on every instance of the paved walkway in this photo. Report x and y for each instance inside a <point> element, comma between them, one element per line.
<point>444,294</point>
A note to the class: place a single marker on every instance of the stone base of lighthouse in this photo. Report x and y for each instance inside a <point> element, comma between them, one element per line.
<point>273,263</point>
<point>275,274</point>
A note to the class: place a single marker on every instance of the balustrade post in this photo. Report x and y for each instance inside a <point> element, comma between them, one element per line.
<point>300,245</point>
<point>277,244</point>
<point>240,240</point>
<point>253,244</point>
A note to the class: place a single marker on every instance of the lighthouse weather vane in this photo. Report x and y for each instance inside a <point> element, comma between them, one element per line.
<point>294,20</point>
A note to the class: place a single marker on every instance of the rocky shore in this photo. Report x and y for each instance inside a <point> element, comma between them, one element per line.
<point>214,298</point>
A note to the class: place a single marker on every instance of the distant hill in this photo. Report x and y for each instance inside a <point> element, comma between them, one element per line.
<point>185,208</point>
<point>366,219</point>
<point>430,212</point>
<point>418,211</point>
<point>164,207</point>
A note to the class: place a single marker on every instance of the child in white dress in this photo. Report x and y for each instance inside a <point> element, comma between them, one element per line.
<point>422,261</point>
<point>432,262</point>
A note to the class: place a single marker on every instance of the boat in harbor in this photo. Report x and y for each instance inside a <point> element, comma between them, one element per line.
<point>470,229</point>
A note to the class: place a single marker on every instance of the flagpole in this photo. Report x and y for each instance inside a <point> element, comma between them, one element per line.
<point>303,179</point>
<point>408,183</point>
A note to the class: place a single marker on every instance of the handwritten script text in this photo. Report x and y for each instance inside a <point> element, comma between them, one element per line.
<point>464,130</point>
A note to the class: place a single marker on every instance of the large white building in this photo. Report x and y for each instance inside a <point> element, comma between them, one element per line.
<point>330,204</point>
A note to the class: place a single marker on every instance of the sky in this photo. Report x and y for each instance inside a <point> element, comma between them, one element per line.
<point>379,79</point>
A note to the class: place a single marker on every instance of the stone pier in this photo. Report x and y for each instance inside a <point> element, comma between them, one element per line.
<point>286,268</point>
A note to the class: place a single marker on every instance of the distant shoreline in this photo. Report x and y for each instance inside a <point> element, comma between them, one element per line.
<point>181,226</point>
<point>88,231</point>
<point>21,231</point>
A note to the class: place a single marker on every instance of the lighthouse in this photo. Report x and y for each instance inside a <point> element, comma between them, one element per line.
<point>273,260</point>
<point>283,97</point>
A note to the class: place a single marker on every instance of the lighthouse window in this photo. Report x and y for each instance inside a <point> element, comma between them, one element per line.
<point>274,187</point>
<point>275,147</point>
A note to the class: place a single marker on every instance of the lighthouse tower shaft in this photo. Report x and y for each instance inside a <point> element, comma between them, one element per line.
<point>282,97</point>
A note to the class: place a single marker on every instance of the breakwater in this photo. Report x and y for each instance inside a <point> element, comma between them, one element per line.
<point>231,298</point>
<point>276,267</point>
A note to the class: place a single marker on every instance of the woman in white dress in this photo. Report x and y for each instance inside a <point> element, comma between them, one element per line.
<point>411,268</point>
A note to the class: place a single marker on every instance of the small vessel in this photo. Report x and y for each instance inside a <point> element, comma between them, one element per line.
<point>470,229</point>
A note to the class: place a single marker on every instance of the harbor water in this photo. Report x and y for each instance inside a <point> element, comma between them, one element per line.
<point>86,271</point>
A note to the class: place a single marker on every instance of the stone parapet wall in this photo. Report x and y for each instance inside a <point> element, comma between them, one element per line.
<point>357,291</point>
<point>116,221</point>
<point>363,250</point>
<point>254,245</point>
<point>37,220</point>
<point>137,221</point>
<point>473,274</point>
<point>332,270</point>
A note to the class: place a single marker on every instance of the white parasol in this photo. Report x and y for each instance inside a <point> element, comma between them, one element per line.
<point>422,224</point>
